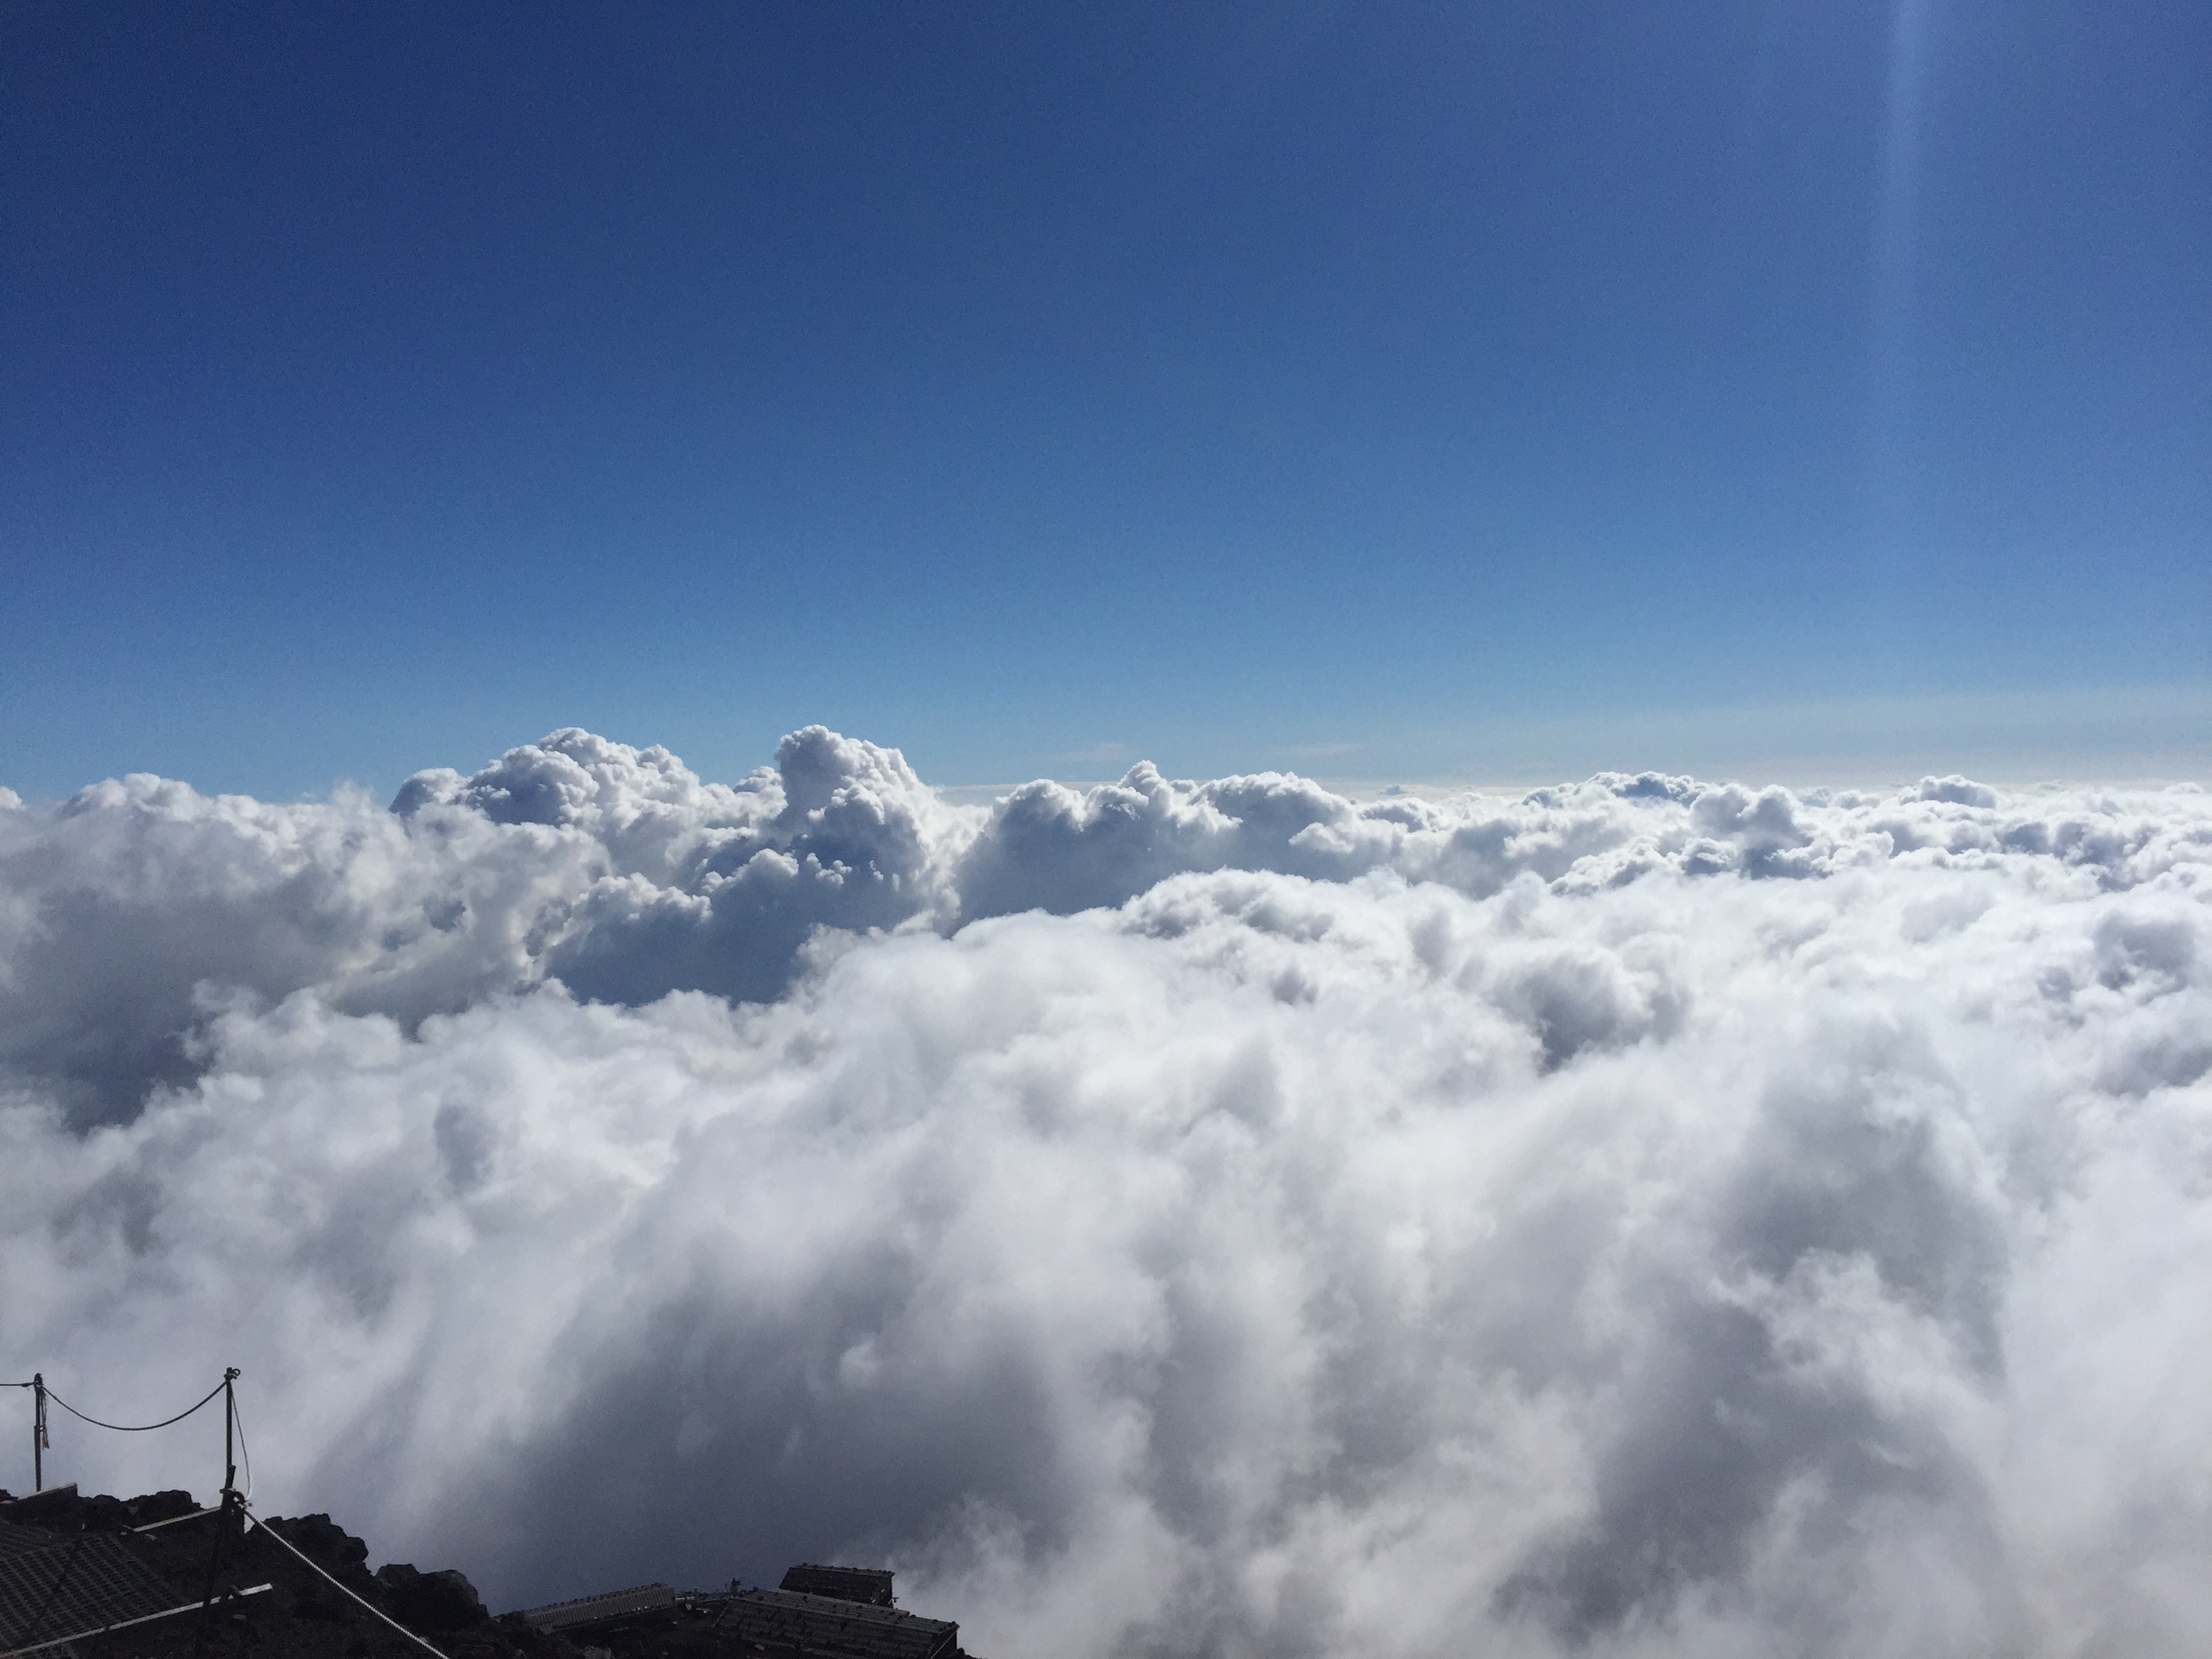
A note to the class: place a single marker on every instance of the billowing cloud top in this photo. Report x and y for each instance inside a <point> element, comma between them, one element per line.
<point>1640,1217</point>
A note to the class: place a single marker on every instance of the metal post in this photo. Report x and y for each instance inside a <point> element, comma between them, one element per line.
<point>38,1441</point>
<point>231,1520</point>
<point>229,1418</point>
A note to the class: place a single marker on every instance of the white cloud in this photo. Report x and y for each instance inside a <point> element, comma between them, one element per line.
<point>1644,1217</point>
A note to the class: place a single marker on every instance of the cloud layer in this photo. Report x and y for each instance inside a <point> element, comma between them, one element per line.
<point>1641,1216</point>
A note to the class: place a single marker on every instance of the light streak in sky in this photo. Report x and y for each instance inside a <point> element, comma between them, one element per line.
<point>1896,217</point>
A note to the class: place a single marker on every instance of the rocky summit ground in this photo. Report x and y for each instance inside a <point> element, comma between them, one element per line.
<point>299,1616</point>
<point>69,1564</point>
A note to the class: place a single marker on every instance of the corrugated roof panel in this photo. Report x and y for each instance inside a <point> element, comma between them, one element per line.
<point>15,1541</point>
<point>787,1622</point>
<point>84,1583</point>
<point>589,1609</point>
<point>870,1584</point>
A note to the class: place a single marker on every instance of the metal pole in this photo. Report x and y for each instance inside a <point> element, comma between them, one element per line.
<point>38,1441</point>
<point>231,1520</point>
<point>229,1418</point>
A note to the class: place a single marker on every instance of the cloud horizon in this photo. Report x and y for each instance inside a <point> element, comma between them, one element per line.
<point>1640,1216</point>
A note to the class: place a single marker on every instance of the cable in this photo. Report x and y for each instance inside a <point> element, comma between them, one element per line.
<point>134,1428</point>
<point>334,1584</point>
<point>244,1456</point>
<point>245,1501</point>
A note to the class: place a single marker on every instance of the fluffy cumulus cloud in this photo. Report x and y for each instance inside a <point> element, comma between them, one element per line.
<point>1643,1217</point>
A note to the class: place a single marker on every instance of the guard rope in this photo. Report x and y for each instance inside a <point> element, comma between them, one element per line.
<point>245,1507</point>
<point>334,1584</point>
<point>238,1422</point>
<point>134,1428</point>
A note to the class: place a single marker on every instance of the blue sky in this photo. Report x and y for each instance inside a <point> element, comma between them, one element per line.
<point>1416,392</point>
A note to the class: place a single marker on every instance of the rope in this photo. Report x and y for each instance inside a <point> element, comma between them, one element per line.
<point>334,1584</point>
<point>246,1507</point>
<point>245,1456</point>
<point>134,1428</point>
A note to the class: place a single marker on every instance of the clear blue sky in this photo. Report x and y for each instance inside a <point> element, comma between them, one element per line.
<point>1372,389</point>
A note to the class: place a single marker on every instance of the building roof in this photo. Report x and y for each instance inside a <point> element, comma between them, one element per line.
<point>65,1587</point>
<point>787,1622</point>
<point>589,1610</point>
<point>15,1539</point>
<point>870,1584</point>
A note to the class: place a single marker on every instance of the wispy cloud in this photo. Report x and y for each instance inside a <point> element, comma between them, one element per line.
<point>1099,754</point>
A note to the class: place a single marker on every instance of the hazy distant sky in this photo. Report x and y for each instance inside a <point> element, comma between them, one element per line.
<point>1375,390</point>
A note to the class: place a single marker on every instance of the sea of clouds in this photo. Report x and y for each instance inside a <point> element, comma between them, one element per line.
<point>1640,1217</point>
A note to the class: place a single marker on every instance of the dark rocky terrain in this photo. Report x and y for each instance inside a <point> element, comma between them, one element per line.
<point>68,1563</point>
